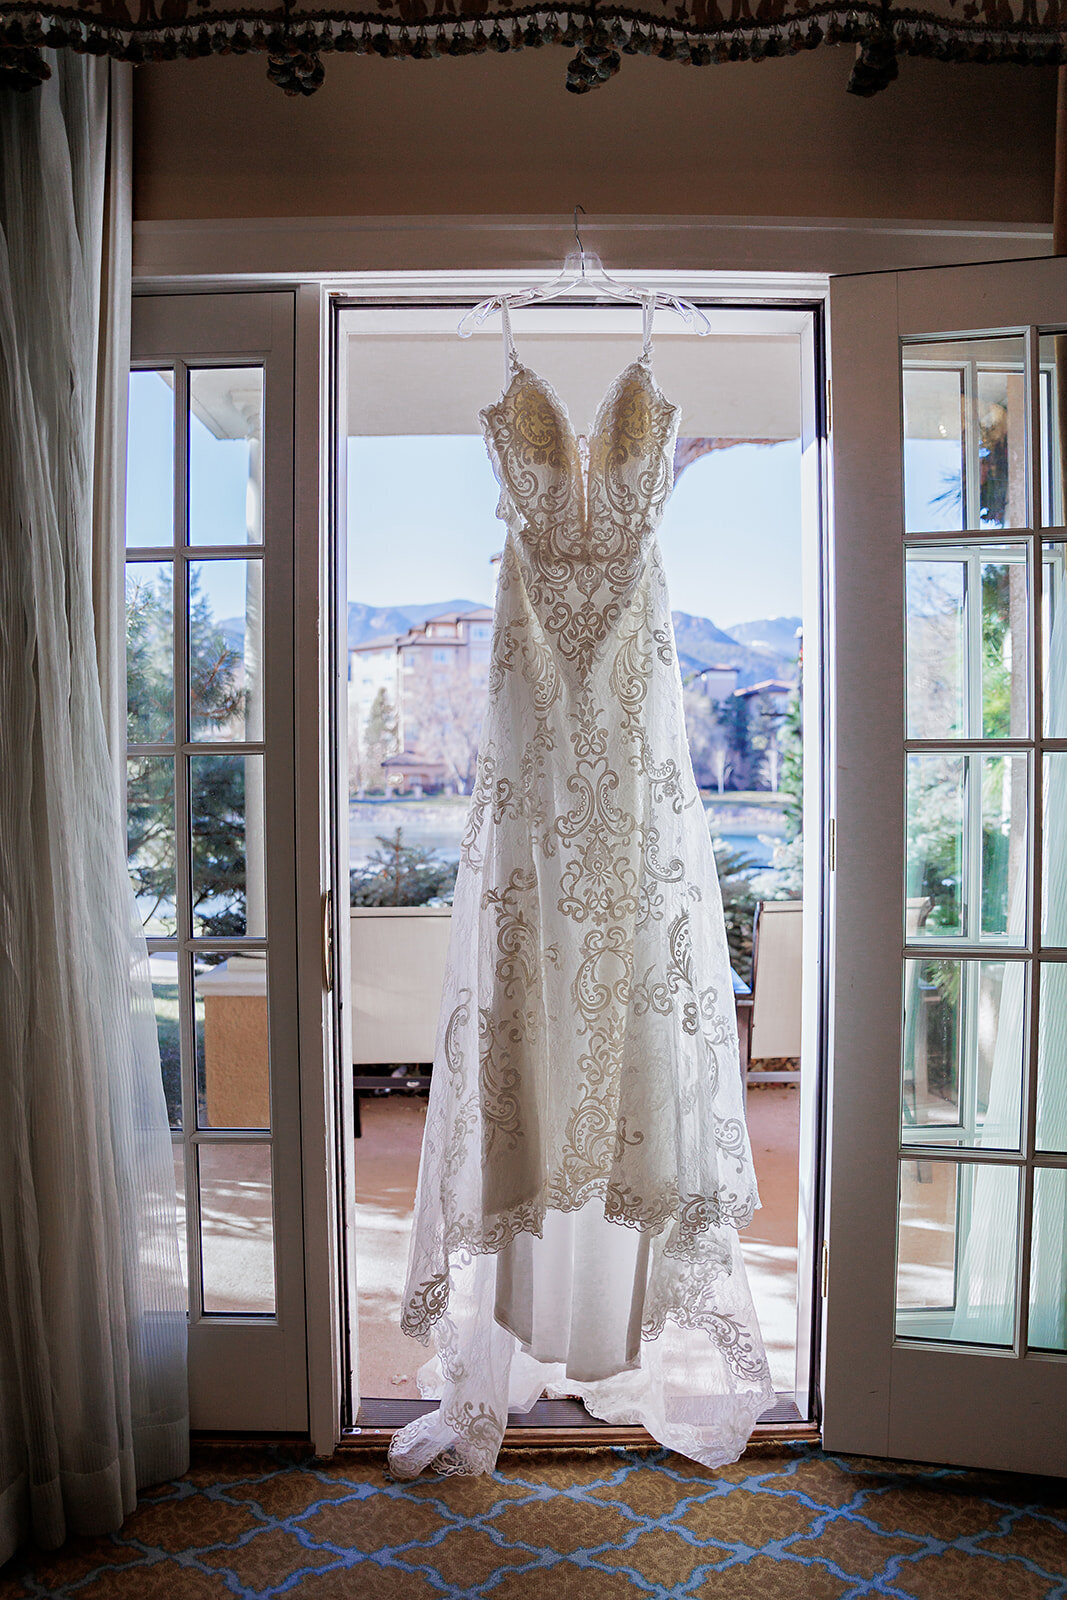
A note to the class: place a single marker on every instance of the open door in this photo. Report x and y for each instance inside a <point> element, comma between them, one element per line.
<point>211,822</point>
<point>946,1318</point>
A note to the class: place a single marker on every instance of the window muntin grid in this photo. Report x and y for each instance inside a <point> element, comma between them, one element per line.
<point>971,1163</point>
<point>191,757</point>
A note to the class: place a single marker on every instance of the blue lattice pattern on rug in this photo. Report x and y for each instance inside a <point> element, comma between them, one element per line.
<point>788,1521</point>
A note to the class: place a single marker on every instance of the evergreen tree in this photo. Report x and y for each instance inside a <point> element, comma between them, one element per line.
<point>791,782</point>
<point>217,799</point>
<point>996,649</point>
<point>400,874</point>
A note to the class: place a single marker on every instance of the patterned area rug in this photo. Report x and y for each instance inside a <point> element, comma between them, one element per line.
<point>787,1521</point>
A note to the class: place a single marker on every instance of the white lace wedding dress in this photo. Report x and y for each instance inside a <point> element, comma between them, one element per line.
<point>585,1165</point>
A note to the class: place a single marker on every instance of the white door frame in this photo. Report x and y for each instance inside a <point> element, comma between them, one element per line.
<point>753,298</point>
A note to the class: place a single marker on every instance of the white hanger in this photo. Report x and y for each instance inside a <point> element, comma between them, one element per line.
<point>584,268</point>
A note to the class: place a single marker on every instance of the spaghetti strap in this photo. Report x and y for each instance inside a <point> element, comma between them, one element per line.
<point>511,355</point>
<point>648,311</point>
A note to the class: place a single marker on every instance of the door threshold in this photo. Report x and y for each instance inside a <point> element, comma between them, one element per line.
<point>562,1424</point>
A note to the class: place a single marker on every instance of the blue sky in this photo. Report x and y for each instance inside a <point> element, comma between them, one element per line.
<point>422,527</point>
<point>218,482</point>
<point>931,470</point>
<point>150,461</point>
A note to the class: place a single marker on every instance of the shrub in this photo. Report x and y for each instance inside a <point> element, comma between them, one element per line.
<point>401,874</point>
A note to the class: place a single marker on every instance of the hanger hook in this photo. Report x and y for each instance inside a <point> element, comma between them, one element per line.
<point>578,237</point>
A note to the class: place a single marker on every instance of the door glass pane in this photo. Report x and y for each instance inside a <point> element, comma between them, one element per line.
<point>1048,1261</point>
<point>164,968</point>
<point>1054,633</point>
<point>1000,414</point>
<point>956,1252</point>
<point>933,447</point>
<point>226,455</point>
<point>237,1228</point>
<point>936,588</point>
<point>232,1058</point>
<point>228,867</point>
<point>1054,851</point>
<point>1052,1058</point>
<point>968,827</point>
<point>935,888</point>
<point>150,842</point>
<point>1004,712</point>
<point>1054,423</point>
<point>225,650</point>
<point>1005,813</point>
<point>179,1189</point>
<point>967,620</point>
<point>964,434</point>
<point>149,652</point>
<point>964,1052</point>
<point>150,460</point>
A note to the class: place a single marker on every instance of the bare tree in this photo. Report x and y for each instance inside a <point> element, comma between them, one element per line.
<point>379,740</point>
<point>686,451</point>
<point>357,778</point>
<point>709,741</point>
<point>446,710</point>
<point>721,766</point>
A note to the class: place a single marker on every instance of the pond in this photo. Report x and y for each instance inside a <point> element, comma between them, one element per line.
<point>436,823</point>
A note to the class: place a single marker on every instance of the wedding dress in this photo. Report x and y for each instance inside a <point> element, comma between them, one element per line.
<point>585,1164</point>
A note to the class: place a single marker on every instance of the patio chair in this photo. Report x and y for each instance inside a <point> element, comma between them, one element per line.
<point>777,949</point>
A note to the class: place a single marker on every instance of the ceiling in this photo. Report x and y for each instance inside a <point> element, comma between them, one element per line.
<point>418,377</point>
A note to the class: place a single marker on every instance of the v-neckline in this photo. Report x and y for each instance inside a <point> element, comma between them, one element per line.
<point>522,369</point>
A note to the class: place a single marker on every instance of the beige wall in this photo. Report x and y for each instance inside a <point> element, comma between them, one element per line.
<point>499,134</point>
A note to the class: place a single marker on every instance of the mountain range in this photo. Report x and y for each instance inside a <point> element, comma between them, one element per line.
<point>779,634</point>
<point>701,644</point>
<point>364,622</point>
<point>765,648</point>
<point>377,622</point>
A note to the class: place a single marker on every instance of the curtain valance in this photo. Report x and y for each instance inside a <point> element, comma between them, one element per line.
<point>297,37</point>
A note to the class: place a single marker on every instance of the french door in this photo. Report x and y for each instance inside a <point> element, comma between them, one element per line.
<point>946,1315</point>
<point>210,788</point>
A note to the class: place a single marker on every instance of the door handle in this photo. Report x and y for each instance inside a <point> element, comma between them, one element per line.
<point>327,940</point>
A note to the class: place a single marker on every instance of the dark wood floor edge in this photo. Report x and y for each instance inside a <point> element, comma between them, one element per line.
<point>603,1436</point>
<point>568,1412</point>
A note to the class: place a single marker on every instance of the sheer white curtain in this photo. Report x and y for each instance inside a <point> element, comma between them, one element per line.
<point>92,1310</point>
